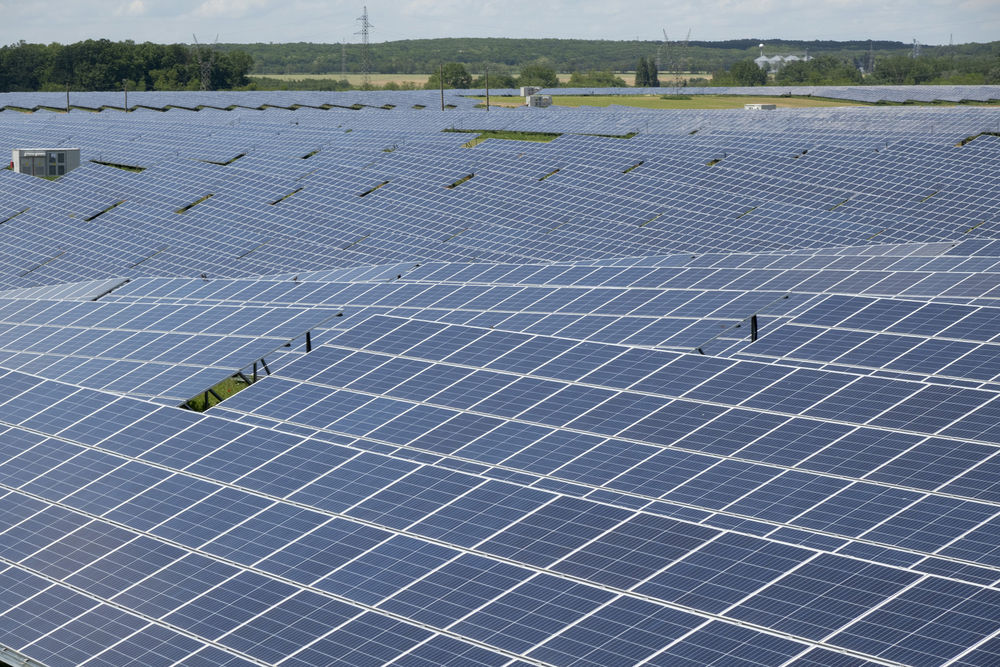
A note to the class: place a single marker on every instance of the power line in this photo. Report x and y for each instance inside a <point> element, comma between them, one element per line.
<point>366,57</point>
<point>205,63</point>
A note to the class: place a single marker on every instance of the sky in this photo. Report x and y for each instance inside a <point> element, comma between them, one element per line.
<point>332,21</point>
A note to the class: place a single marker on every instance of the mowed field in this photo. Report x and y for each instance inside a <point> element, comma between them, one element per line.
<point>355,79</point>
<point>694,101</point>
<point>421,79</point>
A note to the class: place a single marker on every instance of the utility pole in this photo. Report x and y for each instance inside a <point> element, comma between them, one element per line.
<point>67,97</point>
<point>366,57</point>
<point>125,88</point>
<point>343,59</point>
<point>441,80</point>
<point>487,87</point>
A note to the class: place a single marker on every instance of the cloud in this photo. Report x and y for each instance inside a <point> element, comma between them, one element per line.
<point>133,8</point>
<point>930,21</point>
<point>229,8</point>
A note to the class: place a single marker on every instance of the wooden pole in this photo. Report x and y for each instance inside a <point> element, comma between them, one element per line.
<point>487,87</point>
<point>441,77</point>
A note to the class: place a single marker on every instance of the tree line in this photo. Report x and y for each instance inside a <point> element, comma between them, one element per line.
<point>825,70</point>
<point>571,55</point>
<point>105,65</point>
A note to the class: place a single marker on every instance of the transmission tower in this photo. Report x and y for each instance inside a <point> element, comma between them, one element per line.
<point>660,49</point>
<point>870,63</point>
<point>205,63</point>
<point>366,56</point>
<point>343,59</point>
<point>916,49</point>
<point>683,62</point>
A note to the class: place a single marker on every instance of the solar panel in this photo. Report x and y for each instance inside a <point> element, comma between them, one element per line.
<point>724,392</point>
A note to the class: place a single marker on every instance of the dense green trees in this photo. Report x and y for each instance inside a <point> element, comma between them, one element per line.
<point>895,70</point>
<point>641,73</point>
<point>746,73</point>
<point>595,79</point>
<point>104,65</point>
<point>101,64</point>
<point>654,75</point>
<point>538,73</point>
<point>454,75</point>
<point>533,74</point>
<point>646,75</point>
<point>500,77</point>
<point>819,71</point>
<point>566,55</point>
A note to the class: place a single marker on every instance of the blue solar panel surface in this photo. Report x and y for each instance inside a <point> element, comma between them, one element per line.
<point>724,392</point>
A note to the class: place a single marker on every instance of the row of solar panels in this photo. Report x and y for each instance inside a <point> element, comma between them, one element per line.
<point>512,492</point>
<point>431,98</point>
<point>491,457</point>
<point>361,196</point>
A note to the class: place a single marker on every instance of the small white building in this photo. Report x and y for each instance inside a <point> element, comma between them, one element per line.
<point>529,90</point>
<point>45,161</point>
<point>760,107</point>
<point>539,101</point>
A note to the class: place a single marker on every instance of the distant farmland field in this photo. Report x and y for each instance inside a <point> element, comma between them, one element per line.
<point>694,101</point>
<point>421,79</point>
<point>355,79</point>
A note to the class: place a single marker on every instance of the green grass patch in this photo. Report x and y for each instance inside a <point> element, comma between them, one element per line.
<point>965,141</point>
<point>923,199</point>
<point>634,167</point>
<point>281,199</point>
<point>227,162</point>
<point>185,209</point>
<point>655,217</point>
<point>223,390</point>
<point>973,227</point>
<point>371,190</point>
<point>100,213</point>
<point>123,167</point>
<point>509,135</point>
<point>467,177</point>
<point>13,216</point>
<point>613,136</point>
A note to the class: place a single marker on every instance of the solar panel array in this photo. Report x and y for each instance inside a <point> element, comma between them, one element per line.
<point>724,392</point>
<point>460,98</point>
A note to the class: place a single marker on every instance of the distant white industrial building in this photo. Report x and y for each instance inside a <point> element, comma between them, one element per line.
<point>45,161</point>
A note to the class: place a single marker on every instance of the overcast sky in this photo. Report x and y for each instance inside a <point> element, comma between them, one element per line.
<point>167,21</point>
